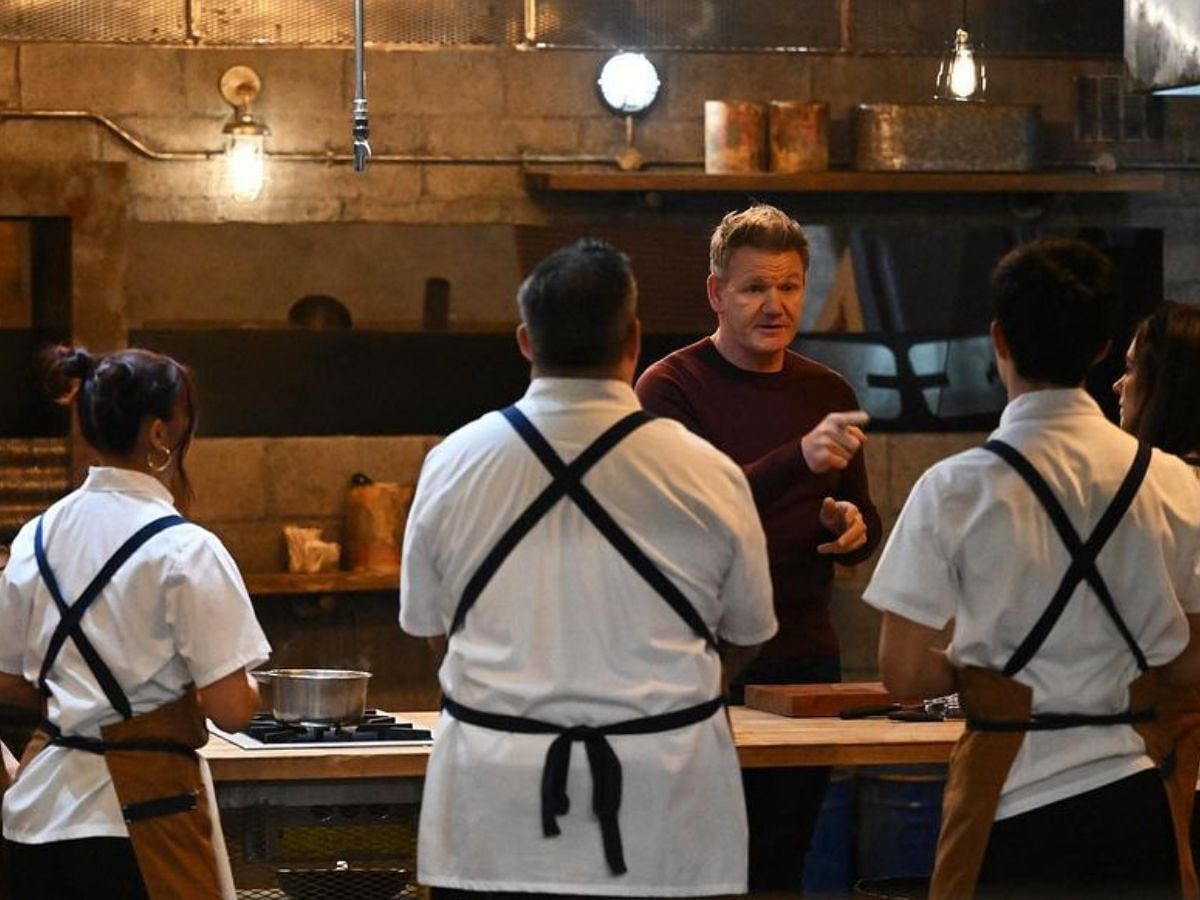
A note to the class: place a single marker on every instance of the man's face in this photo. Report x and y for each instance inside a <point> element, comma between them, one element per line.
<point>758,305</point>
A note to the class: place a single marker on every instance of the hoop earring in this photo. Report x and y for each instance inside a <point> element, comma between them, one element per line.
<point>159,467</point>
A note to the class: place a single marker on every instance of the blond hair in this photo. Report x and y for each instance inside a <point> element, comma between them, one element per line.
<point>762,227</point>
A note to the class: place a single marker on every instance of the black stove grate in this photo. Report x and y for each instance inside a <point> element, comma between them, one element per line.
<point>375,726</point>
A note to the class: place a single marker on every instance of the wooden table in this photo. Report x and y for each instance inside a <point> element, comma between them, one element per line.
<point>763,740</point>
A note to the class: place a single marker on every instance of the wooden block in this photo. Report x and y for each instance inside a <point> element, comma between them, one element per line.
<point>815,699</point>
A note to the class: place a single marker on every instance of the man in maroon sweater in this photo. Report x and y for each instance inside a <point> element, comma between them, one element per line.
<point>795,428</point>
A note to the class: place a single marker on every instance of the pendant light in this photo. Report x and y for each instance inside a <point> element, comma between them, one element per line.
<point>962,75</point>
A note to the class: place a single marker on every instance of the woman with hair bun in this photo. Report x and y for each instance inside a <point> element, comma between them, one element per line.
<point>1160,390</point>
<point>126,625</point>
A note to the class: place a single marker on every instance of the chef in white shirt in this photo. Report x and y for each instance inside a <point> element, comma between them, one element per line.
<point>1067,557</point>
<point>127,625</point>
<point>594,569</point>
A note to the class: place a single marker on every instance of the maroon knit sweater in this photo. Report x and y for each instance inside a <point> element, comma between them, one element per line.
<point>758,418</point>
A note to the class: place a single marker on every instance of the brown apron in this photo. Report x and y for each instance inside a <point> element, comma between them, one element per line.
<point>999,713</point>
<point>151,757</point>
<point>163,798</point>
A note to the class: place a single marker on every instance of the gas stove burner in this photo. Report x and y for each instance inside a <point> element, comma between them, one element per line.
<point>375,728</point>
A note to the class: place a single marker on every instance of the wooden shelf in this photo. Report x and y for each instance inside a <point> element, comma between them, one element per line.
<point>263,584</point>
<point>842,181</point>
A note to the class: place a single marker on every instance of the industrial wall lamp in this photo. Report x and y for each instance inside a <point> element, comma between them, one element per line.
<point>628,84</point>
<point>245,135</point>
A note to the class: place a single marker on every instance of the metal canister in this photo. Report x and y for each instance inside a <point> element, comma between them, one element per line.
<point>735,134</point>
<point>799,136</point>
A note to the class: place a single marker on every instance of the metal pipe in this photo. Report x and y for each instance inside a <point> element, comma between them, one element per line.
<point>129,139</point>
<point>361,131</point>
<point>328,156</point>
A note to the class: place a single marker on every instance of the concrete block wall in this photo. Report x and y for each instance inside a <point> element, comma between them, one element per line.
<point>248,488</point>
<point>476,102</point>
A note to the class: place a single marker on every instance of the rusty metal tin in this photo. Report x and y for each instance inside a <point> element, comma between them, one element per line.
<point>945,137</point>
<point>735,134</point>
<point>799,136</point>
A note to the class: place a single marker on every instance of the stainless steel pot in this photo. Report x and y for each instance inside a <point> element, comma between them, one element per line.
<point>316,696</point>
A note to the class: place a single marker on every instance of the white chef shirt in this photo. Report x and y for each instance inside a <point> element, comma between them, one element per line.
<point>974,545</point>
<point>176,612</point>
<point>568,633</point>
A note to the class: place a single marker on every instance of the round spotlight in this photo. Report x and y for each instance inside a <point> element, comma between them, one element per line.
<point>628,83</point>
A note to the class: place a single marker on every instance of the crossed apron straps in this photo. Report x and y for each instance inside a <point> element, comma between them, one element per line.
<point>603,762</point>
<point>72,614</point>
<point>151,757</point>
<point>999,708</point>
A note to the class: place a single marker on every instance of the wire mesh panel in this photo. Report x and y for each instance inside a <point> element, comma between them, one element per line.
<point>438,22</point>
<point>1049,27</point>
<point>111,21</point>
<point>699,24</point>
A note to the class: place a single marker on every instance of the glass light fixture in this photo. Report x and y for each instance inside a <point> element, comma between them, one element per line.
<point>962,75</point>
<point>628,85</point>
<point>245,135</point>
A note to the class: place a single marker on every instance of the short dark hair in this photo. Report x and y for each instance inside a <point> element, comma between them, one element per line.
<point>1166,370</point>
<point>1054,299</point>
<point>578,305</point>
<point>761,227</point>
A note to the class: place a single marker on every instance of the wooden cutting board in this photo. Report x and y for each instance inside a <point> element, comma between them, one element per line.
<point>815,699</point>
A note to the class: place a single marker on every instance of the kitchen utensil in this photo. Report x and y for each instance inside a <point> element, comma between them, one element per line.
<point>865,712</point>
<point>316,696</point>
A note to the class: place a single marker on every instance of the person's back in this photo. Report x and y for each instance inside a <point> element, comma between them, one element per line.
<point>1008,560</point>
<point>584,604</point>
<point>1067,556</point>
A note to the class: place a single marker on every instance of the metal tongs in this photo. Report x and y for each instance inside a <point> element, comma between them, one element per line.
<point>936,709</point>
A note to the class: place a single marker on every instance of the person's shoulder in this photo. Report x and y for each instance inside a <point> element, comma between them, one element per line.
<point>475,435</point>
<point>960,473</point>
<point>1175,477</point>
<point>676,447</point>
<point>685,360</point>
<point>801,366</point>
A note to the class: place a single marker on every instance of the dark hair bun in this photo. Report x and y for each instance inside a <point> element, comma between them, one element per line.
<point>64,368</point>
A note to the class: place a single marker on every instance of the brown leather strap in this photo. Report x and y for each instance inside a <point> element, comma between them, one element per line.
<point>174,849</point>
<point>979,767</point>
<point>1173,742</point>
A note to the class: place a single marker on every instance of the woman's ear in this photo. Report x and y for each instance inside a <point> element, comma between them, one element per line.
<point>159,434</point>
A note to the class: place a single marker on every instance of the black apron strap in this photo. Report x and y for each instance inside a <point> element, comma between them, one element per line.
<point>71,615</point>
<point>567,481</point>
<point>100,747</point>
<point>1083,554</point>
<point>1059,721</point>
<point>602,762</point>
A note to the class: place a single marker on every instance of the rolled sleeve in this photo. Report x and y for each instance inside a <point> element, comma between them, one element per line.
<point>16,581</point>
<point>423,594</point>
<point>210,614</point>
<point>914,578</point>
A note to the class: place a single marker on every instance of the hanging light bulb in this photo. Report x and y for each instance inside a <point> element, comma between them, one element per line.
<point>245,135</point>
<point>961,75</point>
